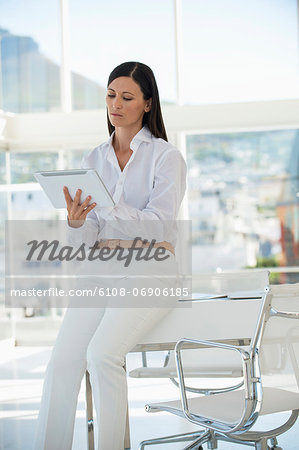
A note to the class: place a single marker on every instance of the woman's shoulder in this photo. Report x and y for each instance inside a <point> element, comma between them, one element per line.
<point>165,150</point>
<point>161,147</point>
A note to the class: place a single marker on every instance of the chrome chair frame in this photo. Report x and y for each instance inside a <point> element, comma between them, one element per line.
<point>194,390</point>
<point>253,394</point>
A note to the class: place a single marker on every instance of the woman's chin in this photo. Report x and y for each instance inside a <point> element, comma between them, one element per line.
<point>116,121</point>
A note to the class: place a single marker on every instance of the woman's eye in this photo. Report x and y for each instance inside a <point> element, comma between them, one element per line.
<point>110,95</point>
<point>127,99</point>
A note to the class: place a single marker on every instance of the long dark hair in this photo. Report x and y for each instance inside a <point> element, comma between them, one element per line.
<point>144,77</point>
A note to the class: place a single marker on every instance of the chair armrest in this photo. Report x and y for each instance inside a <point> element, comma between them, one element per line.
<point>209,391</point>
<point>249,381</point>
<point>143,348</point>
<point>285,314</point>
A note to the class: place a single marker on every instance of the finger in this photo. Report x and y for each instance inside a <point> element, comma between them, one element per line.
<point>77,197</point>
<point>87,210</point>
<point>67,196</point>
<point>86,201</point>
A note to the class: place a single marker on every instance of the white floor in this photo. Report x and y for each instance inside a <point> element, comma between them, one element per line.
<point>21,377</point>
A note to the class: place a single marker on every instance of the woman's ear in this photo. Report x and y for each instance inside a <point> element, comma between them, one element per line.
<point>148,105</point>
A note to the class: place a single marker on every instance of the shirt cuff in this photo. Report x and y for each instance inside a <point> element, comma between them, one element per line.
<point>86,234</point>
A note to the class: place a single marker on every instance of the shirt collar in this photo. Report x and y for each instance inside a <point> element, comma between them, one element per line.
<point>143,135</point>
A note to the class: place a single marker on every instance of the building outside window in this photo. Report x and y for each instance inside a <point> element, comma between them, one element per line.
<point>243,200</point>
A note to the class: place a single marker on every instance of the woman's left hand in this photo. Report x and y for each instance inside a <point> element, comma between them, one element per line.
<point>77,211</point>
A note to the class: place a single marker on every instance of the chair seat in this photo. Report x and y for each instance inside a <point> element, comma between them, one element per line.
<point>228,407</point>
<point>190,372</point>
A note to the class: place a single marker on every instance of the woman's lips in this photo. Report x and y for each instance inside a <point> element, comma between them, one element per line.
<point>116,115</point>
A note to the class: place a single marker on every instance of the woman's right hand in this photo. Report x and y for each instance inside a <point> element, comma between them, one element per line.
<point>77,212</point>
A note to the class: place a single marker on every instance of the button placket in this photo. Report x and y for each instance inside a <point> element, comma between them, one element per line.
<point>119,186</point>
<point>122,174</point>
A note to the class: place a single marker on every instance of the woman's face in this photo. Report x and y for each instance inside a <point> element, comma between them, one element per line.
<point>125,103</point>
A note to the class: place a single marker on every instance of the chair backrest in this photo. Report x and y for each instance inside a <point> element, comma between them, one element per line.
<point>275,349</point>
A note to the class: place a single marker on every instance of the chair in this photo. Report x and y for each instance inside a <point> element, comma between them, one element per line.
<point>203,319</point>
<point>214,298</point>
<point>270,375</point>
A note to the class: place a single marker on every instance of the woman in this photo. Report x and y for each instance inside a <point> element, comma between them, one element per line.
<point>146,177</point>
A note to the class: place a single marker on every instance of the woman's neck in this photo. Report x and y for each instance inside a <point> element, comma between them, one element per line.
<point>123,137</point>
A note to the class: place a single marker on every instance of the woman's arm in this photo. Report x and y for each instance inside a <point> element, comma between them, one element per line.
<point>163,205</point>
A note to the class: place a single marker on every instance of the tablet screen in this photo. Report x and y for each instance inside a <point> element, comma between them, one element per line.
<point>88,180</point>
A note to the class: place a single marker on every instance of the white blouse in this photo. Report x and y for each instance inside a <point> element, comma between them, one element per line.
<point>147,193</point>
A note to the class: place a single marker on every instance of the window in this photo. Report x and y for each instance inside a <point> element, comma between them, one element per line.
<point>23,165</point>
<point>2,168</point>
<point>244,199</point>
<point>3,217</point>
<point>105,34</point>
<point>23,199</point>
<point>238,50</point>
<point>73,158</point>
<point>30,52</point>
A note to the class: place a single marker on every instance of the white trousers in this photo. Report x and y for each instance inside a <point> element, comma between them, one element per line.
<point>97,339</point>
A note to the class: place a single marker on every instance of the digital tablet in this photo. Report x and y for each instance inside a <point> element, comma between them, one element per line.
<point>88,180</point>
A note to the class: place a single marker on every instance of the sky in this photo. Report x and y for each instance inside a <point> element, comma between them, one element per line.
<point>232,50</point>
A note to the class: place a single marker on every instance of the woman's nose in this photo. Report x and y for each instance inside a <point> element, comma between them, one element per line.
<point>117,103</point>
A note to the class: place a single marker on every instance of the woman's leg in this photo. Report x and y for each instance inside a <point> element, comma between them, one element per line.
<point>63,379</point>
<point>120,330</point>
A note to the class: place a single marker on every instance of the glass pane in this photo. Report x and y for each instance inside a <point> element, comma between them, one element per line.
<point>244,199</point>
<point>30,55</point>
<point>3,217</point>
<point>135,30</point>
<point>3,310</point>
<point>239,50</point>
<point>73,158</point>
<point>2,168</point>
<point>32,205</point>
<point>23,165</point>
